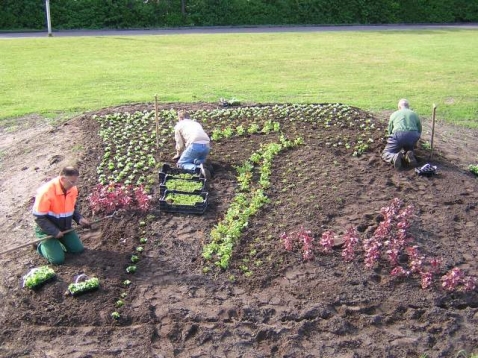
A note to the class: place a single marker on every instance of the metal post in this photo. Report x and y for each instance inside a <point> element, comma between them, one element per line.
<point>48,19</point>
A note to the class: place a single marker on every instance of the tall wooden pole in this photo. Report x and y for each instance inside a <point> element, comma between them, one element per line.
<point>156,118</point>
<point>433,129</point>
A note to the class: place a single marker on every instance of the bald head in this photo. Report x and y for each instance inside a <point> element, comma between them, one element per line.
<point>403,103</point>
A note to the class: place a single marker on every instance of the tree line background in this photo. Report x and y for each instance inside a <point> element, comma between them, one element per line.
<point>124,14</point>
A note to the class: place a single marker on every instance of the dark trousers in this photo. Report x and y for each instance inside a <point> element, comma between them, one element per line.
<point>398,141</point>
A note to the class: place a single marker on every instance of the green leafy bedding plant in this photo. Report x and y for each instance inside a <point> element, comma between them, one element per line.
<point>245,204</point>
<point>77,288</point>
<point>131,269</point>
<point>473,168</point>
<point>183,199</point>
<point>38,276</point>
<point>187,186</point>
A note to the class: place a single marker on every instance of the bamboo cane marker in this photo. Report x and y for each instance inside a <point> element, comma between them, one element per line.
<point>156,118</point>
<point>433,130</point>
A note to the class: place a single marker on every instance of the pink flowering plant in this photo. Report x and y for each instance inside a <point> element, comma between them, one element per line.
<point>327,241</point>
<point>455,279</point>
<point>302,238</point>
<point>351,240</point>
<point>391,243</point>
<point>111,197</point>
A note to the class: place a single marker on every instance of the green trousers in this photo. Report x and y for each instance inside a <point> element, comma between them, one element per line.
<point>54,249</point>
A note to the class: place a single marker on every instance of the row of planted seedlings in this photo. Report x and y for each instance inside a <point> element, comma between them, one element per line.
<point>131,144</point>
<point>130,269</point>
<point>115,198</point>
<point>362,127</point>
<point>391,246</point>
<point>248,201</point>
<point>132,140</point>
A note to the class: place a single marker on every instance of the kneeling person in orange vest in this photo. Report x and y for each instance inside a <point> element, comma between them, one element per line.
<point>54,209</point>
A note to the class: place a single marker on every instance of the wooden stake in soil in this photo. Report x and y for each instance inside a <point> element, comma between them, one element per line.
<point>156,119</point>
<point>433,130</point>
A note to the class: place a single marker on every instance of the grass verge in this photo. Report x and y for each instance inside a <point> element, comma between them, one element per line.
<point>371,70</point>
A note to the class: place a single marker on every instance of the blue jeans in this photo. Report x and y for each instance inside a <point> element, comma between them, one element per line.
<point>193,156</point>
<point>398,141</point>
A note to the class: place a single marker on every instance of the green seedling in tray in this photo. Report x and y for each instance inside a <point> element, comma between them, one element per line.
<point>183,199</point>
<point>78,288</point>
<point>38,276</point>
<point>184,185</point>
<point>186,176</point>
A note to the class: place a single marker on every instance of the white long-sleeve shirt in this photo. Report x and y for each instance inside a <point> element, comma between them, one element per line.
<point>188,131</point>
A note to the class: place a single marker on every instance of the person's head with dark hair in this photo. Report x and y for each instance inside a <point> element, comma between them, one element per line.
<point>69,177</point>
<point>182,114</point>
<point>69,171</point>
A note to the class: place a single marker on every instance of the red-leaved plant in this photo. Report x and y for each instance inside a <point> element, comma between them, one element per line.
<point>351,240</point>
<point>390,241</point>
<point>303,238</point>
<point>288,241</point>
<point>455,279</point>
<point>111,197</point>
<point>390,237</point>
<point>327,241</point>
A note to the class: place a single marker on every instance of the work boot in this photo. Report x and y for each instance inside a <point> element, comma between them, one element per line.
<point>410,158</point>
<point>397,161</point>
<point>205,172</point>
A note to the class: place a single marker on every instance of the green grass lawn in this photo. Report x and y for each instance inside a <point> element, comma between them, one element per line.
<point>371,70</point>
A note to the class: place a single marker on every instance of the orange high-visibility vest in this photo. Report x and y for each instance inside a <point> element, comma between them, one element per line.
<point>53,204</point>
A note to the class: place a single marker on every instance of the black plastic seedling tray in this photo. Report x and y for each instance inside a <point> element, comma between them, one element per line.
<point>168,206</point>
<point>168,170</point>
<point>169,178</point>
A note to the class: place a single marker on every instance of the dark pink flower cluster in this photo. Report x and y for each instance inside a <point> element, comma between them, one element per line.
<point>351,240</point>
<point>390,241</point>
<point>327,241</point>
<point>143,200</point>
<point>114,196</point>
<point>390,237</point>
<point>455,279</point>
<point>303,238</point>
<point>288,241</point>
<point>307,240</point>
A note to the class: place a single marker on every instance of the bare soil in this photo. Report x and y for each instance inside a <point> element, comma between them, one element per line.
<point>287,307</point>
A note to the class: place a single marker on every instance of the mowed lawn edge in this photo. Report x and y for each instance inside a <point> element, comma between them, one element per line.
<point>370,70</point>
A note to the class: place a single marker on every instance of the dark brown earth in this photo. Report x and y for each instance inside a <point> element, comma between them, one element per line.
<point>286,307</point>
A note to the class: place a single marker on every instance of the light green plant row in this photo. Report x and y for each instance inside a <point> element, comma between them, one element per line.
<point>370,70</point>
<point>245,204</point>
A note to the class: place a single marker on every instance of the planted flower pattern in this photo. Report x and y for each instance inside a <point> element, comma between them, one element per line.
<point>388,244</point>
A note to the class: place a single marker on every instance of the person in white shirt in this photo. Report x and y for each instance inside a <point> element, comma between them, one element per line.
<point>193,142</point>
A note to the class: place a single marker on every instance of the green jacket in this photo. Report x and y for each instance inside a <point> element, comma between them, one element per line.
<point>404,120</point>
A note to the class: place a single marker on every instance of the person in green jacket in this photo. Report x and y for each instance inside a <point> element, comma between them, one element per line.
<point>404,131</point>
